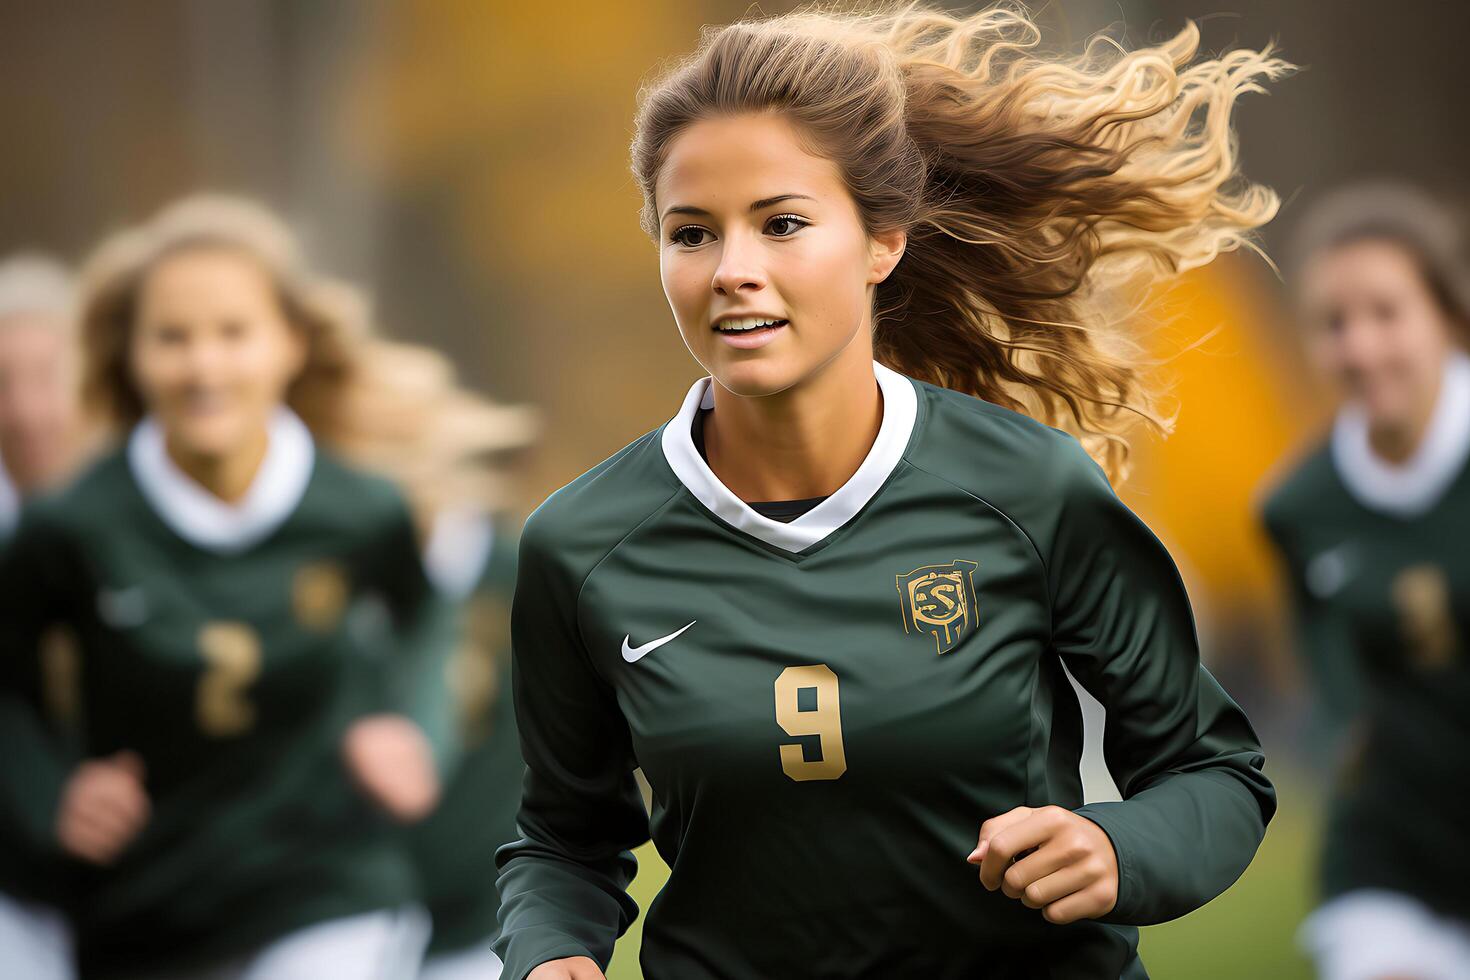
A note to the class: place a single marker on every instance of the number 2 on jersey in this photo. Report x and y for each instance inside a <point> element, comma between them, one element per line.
<point>807,704</point>
<point>231,653</point>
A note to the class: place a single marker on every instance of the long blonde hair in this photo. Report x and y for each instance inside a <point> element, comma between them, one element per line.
<point>388,406</point>
<point>1041,197</point>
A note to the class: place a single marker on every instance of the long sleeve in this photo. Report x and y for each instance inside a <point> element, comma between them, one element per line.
<point>1189,767</point>
<point>1322,639</point>
<point>37,758</point>
<point>424,633</point>
<point>563,885</point>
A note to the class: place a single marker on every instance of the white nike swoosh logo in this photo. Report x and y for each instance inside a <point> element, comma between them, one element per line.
<point>122,608</point>
<point>1330,570</point>
<point>633,654</point>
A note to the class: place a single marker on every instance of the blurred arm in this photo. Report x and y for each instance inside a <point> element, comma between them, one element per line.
<point>37,759</point>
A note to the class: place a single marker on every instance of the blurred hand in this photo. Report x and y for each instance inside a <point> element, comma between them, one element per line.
<point>1051,859</point>
<point>103,808</point>
<point>390,759</point>
<point>572,968</point>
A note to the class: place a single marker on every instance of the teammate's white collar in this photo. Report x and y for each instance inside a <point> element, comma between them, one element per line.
<point>9,502</point>
<point>458,550</point>
<point>1413,487</point>
<point>201,518</point>
<point>900,407</point>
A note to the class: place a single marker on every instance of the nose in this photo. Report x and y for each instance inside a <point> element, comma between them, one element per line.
<point>740,268</point>
<point>1357,344</point>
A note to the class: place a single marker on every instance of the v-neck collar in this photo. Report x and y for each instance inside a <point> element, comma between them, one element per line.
<point>900,409</point>
<point>204,520</point>
<point>1415,486</point>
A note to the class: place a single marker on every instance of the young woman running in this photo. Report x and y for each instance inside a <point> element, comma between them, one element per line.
<point>828,606</point>
<point>226,582</point>
<point>39,443</point>
<point>1371,526</point>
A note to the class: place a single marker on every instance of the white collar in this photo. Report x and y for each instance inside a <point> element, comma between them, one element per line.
<point>458,550</point>
<point>900,408</point>
<point>9,502</point>
<point>201,518</point>
<point>1413,487</point>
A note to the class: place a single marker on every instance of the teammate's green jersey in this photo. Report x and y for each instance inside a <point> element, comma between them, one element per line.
<point>32,770</point>
<point>827,710</point>
<point>455,847</point>
<point>233,673</point>
<point>1382,603</point>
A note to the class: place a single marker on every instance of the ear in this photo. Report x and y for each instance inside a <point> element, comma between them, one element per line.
<point>884,251</point>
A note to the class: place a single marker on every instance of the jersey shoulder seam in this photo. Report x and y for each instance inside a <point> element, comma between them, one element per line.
<point>582,585</point>
<point>1040,558</point>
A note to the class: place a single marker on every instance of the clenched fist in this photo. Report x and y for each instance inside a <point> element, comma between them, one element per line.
<point>389,757</point>
<point>103,808</point>
<point>1051,859</point>
<point>572,968</point>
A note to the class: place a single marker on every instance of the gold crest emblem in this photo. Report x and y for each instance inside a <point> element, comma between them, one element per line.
<point>940,599</point>
<point>319,595</point>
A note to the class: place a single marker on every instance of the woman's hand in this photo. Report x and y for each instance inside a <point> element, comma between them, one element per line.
<point>572,968</point>
<point>103,808</point>
<point>390,759</point>
<point>1051,859</point>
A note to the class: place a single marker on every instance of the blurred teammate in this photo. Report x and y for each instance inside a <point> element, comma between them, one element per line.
<point>472,558</point>
<point>1372,527</point>
<point>826,608</point>
<point>225,580</point>
<point>38,443</point>
<point>39,430</point>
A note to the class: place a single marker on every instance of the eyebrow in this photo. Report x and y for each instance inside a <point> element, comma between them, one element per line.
<point>755,206</point>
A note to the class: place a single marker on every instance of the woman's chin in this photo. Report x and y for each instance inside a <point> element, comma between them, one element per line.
<point>757,377</point>
<point>208,441</point>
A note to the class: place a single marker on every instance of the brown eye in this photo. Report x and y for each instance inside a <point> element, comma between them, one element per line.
<point>784,225</point>
<point>169,334</point>
<point>689,236</point>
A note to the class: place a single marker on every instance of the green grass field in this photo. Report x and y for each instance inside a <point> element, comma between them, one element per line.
<point>1247,932</point>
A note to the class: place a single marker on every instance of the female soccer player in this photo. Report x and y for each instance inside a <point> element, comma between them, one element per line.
<point>827,608</point>
<point>225,581</point>
<point>39,440</point>
<point>455,846</point>
<point>1371,527</point>
<point>471,557</point>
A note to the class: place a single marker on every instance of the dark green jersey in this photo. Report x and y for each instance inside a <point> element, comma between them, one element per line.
<point>1382,603</point>
<point>32,768</point>
<point>455,847</point>
<point>827,710</point>
<point>233,674</point>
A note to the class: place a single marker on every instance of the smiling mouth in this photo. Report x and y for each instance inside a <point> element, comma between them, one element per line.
<point>748,324</point>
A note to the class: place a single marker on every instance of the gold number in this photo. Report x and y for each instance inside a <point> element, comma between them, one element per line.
<point>61,674</point>
<point>232,653</point>
<point>1423,599</point>
<point>819,713</point>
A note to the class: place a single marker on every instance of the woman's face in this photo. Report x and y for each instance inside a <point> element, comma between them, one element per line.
<point>1376,328</point>
<point>212,352</point>
<point>37,399</point>
<point>763,256</point>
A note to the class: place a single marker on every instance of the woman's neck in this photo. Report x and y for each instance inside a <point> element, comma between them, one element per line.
<point>803,443</point>
<point>228,476</point>
<point>1397,443</point>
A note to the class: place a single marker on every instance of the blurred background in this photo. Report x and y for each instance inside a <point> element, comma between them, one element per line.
<point>465,160</point>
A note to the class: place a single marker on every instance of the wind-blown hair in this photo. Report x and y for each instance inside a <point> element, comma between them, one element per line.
<point>388,406</point>
<point>1041,196</point>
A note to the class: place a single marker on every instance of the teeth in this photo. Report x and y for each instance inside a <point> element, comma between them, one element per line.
<point>746,323</point>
